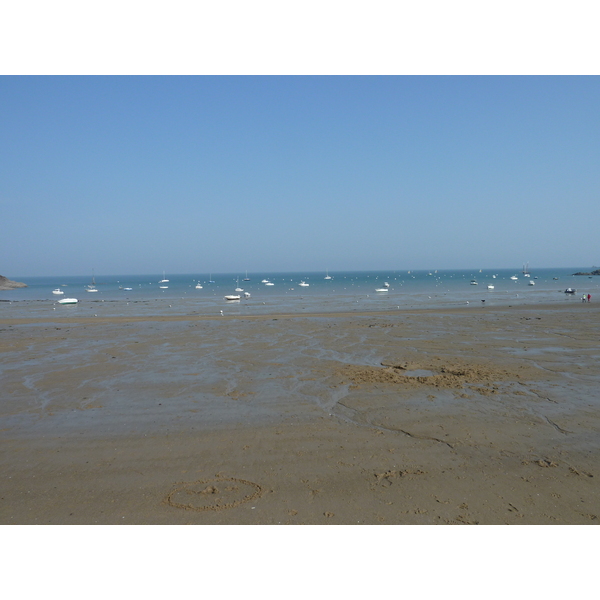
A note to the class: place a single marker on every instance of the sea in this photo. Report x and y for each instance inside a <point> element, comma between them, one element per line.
<point>343,291</point>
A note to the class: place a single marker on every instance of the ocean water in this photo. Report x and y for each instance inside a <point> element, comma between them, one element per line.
<point>345,291</point>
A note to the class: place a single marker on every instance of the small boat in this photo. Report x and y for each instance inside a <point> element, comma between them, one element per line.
<point>246,295</point>
<point>570,291</point>
<point>92,286</point>
<point>490,287</point>
<point>232,298</point>
<point>238,288</point>
<point>246,278</point>
<point>57,291</point>
<point>514,278</point>
<point>382,289</point>
<point>127,289</point>
<point>531,282</point>
<point>473,282</point>
<point>269,283</point>
<point>68,301</point>
<point>163,287</point>
<point>265,281</point>
<point>327,274</point>
<point>198,286</point>
<point>304,284</point>
<point>164,280</point>
<point>386,284</point>
<point>555,278</point>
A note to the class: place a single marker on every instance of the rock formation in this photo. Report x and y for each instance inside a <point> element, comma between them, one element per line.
<point>7,284</point>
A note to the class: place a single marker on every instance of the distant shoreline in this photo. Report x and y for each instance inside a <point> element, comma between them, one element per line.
<point>7,284</point>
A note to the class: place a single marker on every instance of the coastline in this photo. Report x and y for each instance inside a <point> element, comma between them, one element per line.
<point>312,418</point>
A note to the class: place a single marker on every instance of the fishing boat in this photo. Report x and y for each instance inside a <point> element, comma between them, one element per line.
<point>514,277</point>
<point>198,286</point>
<point>57,291</point>
<point>304,284</point>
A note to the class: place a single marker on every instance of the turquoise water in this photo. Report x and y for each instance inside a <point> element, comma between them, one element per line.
<point>345,291</point>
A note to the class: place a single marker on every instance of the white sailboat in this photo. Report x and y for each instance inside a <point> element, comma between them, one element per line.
<point>246,278</point>
<point>164,279</point>
<point>327,274</point>
<point>92,286</point>
<point>238,288</point>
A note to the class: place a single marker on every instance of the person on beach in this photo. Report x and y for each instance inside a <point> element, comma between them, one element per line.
<point>589,297</point>
<point>583,298</point>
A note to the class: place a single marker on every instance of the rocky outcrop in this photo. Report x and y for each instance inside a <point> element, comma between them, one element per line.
<point>596,272</point>
<point>7,284</point>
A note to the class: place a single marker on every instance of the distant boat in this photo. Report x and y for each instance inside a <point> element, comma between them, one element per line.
<point>231,298</point>
<point>304,284</point>
<point>210,278</point>
<point>198,286</point>
<point>68,301</point>
<point>532,283</point>
<point>567,291</point>
<point>265,281</point>
<point>57,291</point>
<point>526,270</point>
<point>269,283</point>
<point>473,282</point>
<point>163,287</point>
<point>386,284</point>
<point>246,295</point>
<point>327,274</point>
<point>127,289</point>
<point>92,286</point>
<point>246,278</point>
<point>164,280</point>
<point>238,288</point>
<point>490,287</point>
<point>514,278</point>
<point>382,289</point>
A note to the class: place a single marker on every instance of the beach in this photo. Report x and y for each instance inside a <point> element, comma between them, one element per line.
<point>474,415</point>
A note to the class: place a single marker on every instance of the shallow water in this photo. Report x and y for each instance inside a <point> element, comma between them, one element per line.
<point>345,292</point>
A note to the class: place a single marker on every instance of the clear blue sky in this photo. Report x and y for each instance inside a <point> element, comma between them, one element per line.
<point>222,174</point>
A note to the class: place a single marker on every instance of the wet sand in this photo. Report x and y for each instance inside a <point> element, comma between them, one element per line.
<point>457,416</point>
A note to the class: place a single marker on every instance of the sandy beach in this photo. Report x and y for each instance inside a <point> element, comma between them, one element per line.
<point>447,416</point>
